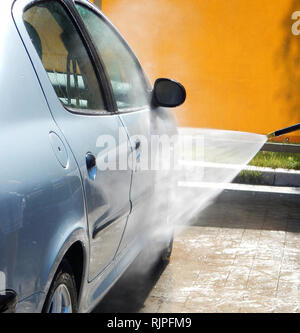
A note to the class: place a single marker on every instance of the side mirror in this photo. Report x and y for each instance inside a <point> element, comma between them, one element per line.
<point>168,93</point>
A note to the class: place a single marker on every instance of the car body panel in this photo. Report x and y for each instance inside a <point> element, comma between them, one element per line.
<point>41,202</point>
<point>48,200</point>
<point>107,196</point>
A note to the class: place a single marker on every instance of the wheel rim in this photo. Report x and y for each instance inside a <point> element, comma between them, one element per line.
<point>61,300</point>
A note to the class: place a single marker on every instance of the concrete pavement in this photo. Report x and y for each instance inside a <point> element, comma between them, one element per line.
<point>242,254</point>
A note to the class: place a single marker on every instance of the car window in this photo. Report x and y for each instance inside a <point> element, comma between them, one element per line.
<point>125,74</point>
<point>63,55</point>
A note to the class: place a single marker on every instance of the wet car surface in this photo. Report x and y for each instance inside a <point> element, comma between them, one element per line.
<point>77,104</point>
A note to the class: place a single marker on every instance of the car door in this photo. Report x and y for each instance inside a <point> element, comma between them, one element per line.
<point>80,104</point>
<point>131,93</point>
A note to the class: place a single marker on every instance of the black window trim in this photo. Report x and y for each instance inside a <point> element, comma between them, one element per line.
<point>99,69</point>
<point>147,87</point>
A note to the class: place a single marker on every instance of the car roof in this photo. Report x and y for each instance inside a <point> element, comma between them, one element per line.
<point>6,5</point>
<point>7,1</point>
<point>12,1</point>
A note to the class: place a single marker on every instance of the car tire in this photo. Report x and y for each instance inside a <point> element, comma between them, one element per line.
<point>62,296</point>
<point>167,251</point>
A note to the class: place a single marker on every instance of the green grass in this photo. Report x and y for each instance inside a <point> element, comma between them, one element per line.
<point>276,160</point>
<point>249,177</point>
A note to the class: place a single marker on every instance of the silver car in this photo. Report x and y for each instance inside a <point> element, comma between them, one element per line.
<point>78,116</point>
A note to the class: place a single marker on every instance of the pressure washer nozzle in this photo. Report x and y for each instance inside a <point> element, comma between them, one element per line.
<point>285,130</point>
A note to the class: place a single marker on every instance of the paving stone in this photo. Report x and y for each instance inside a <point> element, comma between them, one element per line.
<point>241,255</point>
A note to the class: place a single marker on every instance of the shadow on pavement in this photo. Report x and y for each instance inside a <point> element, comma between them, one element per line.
<point>252,210</point>
<point>130,292</point>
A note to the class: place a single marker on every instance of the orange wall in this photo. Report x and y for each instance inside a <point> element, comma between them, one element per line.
<point>238,59</point>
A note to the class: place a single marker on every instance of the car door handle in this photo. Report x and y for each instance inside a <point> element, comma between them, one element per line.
<point>91,165</point>
<point>137,145</point>
<point>90,161</point>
